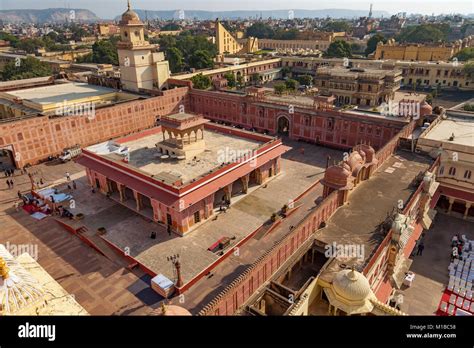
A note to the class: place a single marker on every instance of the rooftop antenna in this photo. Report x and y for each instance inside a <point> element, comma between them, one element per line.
<point>370,12</point>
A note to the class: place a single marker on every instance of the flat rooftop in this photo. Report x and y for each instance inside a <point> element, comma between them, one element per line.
<point>462,128</point>
<point>145,157</point>
<point>60,92</point>
<point>357,222</point>
<point>46,98</point>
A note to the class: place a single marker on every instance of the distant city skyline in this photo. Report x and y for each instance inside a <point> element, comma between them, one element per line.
<point>111,8</point>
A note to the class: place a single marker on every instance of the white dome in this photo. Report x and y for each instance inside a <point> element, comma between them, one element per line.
<point>351,285</point>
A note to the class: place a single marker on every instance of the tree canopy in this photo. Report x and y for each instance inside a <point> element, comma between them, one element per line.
<point>103,52</point>
<point>339,49</point>
<point>27,68</point>
<point>372,43</point>
<point>201,82</point>
<point>337,26</point>
<point>424,33</point>
<point>465,54</point>
<point>186,51</point>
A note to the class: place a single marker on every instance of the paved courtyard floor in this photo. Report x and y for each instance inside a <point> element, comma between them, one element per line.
<point>130,232</point>
<point>431,268</point>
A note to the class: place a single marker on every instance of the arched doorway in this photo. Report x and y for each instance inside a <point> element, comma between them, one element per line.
<point>7,160</point>
<point>283,125</point>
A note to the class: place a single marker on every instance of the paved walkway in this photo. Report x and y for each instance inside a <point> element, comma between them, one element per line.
<point>431,268</point>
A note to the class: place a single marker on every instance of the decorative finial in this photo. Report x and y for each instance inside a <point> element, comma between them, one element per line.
<point>4,270</point>
<point>128,4</point>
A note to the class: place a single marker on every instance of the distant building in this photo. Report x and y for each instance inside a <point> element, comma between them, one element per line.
<point>419,52</point>
<point>368,87</point>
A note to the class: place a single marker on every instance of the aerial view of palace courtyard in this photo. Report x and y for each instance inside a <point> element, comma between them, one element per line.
<point>273,162</point>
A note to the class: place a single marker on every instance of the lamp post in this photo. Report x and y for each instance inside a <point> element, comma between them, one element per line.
<point>175,260</point>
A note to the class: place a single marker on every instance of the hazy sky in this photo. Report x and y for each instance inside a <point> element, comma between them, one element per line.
<point>111,8</point>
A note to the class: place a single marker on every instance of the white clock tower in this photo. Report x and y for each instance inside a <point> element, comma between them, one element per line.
<point>141,66</point>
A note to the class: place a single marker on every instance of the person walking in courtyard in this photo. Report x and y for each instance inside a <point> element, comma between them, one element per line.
<point>421,246</point>
<point>19,194</point>
<point>74,186</point>
<point>8,184</point>
<point>12,184</point>
<point>68,176</point>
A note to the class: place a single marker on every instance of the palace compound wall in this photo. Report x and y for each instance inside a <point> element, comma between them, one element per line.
<point>35,138</point>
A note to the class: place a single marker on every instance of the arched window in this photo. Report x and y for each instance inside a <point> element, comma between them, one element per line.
<point>441,170</point>
<point>452,171</point>
<point>467,174</point>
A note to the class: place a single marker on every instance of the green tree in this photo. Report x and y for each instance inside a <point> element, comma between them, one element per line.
<point>339,49</point>
<point>170,27</point>
<point>424,33</point>
<point>290,84</point>
<point>305,80</point>
<point>255,78</point>
<point>8,37</point>
<point>231,82</point>
<point>465,54</point>
<point>279,88</point>
<point>201,82</point>
<point>240,81</point>
<point>25,69</point>
<point>337,26</point>
<point>372,43</point>
<point>261,30</point>
<point>201,60</point>
<point>175,58</point>
<point>285,71</point>
<point>469,69</point>
<point>104,52</point>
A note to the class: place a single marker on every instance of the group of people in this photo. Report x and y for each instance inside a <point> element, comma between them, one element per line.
<point>9,172</point>
<point>10,183</point>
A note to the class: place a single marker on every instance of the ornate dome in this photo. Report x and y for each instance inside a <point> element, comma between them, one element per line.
<point>130,15</point>
<point>425,108</point>
<point>351,285</point>
<point>338,177</point>
<point>369,152</point>
<point>356,162</point>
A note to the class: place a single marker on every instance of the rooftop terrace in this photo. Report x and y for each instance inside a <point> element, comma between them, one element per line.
<point>145,156</point>
<point>357,222</point>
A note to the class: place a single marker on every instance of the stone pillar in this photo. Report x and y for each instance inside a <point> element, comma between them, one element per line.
<point>468,205</point>
<point>451,201</point>
<point>156,210</point>
<point>277,165</point>
<point>208,206</point>
<point>121,189</point>
<point>258,176</point>
<point>228,192</point>
<point>245,183</point>
<point>138,200</point>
